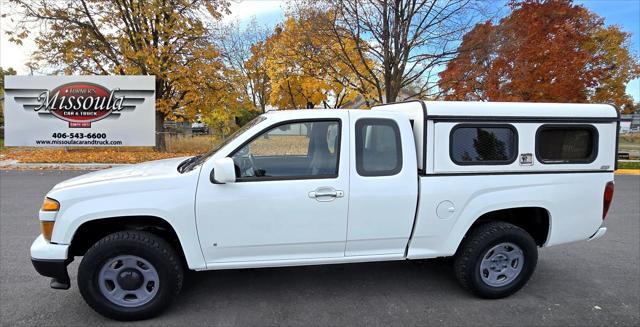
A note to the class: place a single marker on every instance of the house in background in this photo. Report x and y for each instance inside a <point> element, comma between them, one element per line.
<point>359,101</point>
<point>630,123</point>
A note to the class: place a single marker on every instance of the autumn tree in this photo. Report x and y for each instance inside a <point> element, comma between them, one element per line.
<point>330,54</point>
<point>295,81</point>
<point>241,49</point>
<point>306,66</point>
<point>293,85</point>
<point>615,66</point>
<point>543,51</point>
<point>3,73</point>
<point>167,39</point>
<point>407,40</point>
<point>258,75</point>
<point>220,111</point>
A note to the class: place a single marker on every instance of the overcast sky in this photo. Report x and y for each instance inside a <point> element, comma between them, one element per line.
<point>625,13</point>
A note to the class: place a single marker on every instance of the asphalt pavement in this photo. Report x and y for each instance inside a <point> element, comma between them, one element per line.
<point>585,283</point>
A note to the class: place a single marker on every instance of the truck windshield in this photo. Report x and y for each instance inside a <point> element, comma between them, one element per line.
<point>193,162</point>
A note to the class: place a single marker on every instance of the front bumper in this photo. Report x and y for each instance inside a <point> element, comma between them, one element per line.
<point>43,250</point>
<point>51,260</point>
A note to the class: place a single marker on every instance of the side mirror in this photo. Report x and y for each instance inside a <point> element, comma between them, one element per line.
<point>223,171</point>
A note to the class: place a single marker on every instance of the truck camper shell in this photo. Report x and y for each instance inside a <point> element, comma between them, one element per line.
<point>437,119</point>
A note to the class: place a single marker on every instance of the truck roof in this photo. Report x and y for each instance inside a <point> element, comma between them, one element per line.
<point>498,109</point>
<point>519,109</point>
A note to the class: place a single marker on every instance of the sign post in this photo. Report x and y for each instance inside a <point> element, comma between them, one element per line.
<point>79,111</point>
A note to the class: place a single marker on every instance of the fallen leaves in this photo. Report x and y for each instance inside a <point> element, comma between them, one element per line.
<point>87,155</point>
<point>176,147</point>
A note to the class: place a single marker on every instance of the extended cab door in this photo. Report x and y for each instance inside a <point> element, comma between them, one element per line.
<point>290,199</point>
<point>383,184</point>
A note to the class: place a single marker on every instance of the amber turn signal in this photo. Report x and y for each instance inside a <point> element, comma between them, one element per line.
<point>50,205</point>
<point>46,227</point>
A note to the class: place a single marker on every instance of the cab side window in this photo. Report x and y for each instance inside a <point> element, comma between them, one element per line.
<point>301,149</point>
<point>378,147</point>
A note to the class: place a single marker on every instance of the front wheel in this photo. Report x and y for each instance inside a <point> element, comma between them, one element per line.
<point>130,275</point>
<point>496,260</point>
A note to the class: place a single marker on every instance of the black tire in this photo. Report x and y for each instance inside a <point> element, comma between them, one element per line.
<point>475,246</point>
<point>144,245</point>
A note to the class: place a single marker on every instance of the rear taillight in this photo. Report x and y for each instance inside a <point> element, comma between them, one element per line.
<point>607,198</point>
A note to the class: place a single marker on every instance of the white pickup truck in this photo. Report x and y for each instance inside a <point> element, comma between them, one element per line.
<point>487,183</point>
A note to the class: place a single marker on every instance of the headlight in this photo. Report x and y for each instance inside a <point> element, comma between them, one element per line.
<point>46,226</point>
<point>50,205</point>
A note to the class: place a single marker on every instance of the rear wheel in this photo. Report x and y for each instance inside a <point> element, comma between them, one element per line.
<point>496,260</point>
<point>130,275</point>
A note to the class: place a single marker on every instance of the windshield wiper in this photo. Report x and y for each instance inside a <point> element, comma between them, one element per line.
<point>183,166</point>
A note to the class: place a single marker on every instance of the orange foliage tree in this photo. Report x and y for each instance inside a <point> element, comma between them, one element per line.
<point>543,51</point>
<point>309,66</point>
<point>167,39</point>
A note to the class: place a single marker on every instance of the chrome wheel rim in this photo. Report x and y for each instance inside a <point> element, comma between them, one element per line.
<point>501,264</point>
<point>128,281</point>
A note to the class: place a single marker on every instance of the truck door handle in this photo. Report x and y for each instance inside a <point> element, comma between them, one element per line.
<point>325,194</point>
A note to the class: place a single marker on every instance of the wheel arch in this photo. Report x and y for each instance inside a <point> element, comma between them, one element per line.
<point>91,231</point>
<point>534,220</point>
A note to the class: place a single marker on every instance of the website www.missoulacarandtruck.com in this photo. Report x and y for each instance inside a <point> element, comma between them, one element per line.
<point>77,142</point>
<point>78,139</point>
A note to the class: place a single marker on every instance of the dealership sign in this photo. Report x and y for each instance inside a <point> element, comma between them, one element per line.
<point>80,103</point>
<point>79,110</point>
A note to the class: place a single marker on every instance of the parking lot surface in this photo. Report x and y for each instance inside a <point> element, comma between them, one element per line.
<point>586,283</point>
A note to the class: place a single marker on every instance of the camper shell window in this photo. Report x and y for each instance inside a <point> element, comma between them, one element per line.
<point>483,144</point>
<point>566,144</point>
